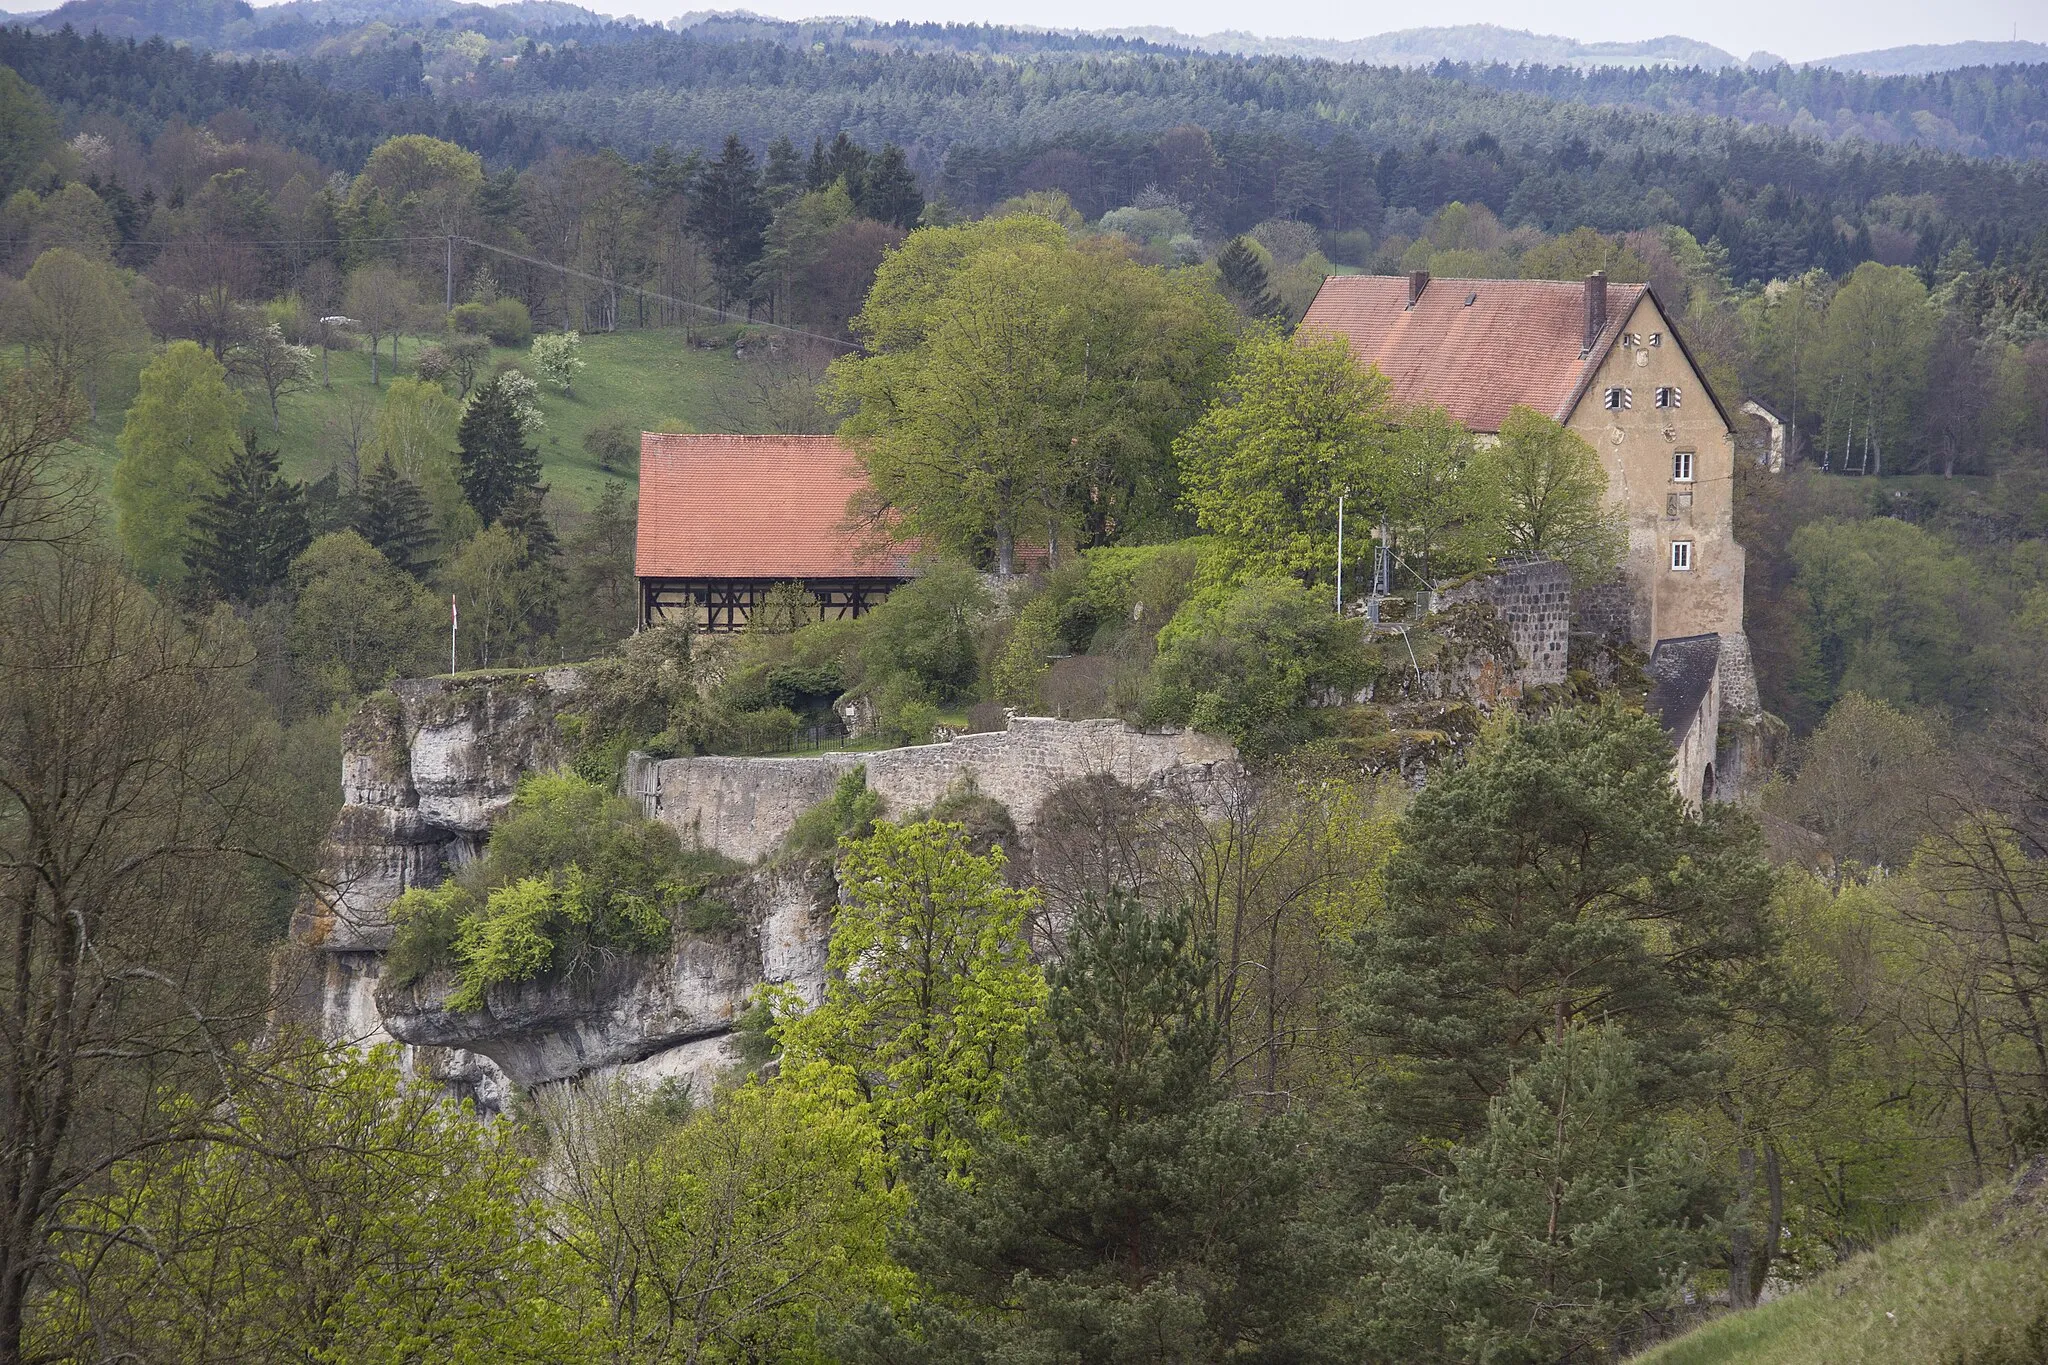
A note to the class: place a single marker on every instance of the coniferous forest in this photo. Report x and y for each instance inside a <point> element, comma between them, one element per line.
<point>1439,1026</point>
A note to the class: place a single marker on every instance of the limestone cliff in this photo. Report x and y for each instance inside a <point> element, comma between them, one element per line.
<point>429,764</point>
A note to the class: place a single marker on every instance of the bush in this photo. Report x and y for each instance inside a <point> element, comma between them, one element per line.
<point>1251,663</point>
<point>926,630</point>
<point>506,322</point>
<point>557,357</point>
<point>614,445</point>
<point>850,812</point>
<point>432,363</point>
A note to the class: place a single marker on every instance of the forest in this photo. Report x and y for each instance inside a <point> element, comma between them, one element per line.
<point>1448,1032</point>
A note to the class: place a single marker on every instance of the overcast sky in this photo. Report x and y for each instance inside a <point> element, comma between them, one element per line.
<point>1795,29</point>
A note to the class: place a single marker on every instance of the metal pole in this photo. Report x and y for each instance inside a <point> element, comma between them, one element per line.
<point>454,620</point>
<point>1340,554</point>
<point>451,274</point>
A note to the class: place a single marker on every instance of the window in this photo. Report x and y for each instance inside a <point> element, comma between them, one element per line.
<point>1681,555</point>
<point>1619,399</point>
<point>1667,396</point>
<point>1681,466</point>
<point>1656,338</point>
<point>1629,341</point>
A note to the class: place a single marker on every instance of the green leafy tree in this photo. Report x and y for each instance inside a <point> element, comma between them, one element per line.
<point>509,592</point>
<point>930,987</point>
<point>497,464</point>
<point>1245,281</point>
<point>339,1213</point>
<point>1128,1208</point>
<point>1555,877</point>
<point>1440,505</point>
<point>359,620</point>
<point>1889,614</point>
<point>28,131</point>
<point>274,364</point>
<point>1551,496</point>
<point>1879,335</point>
<point>77,317</point>
<point>395,517</point>
<point>182,431</point>
<point>1019,389</point>
<point>1571,1215</point>
<point>1297,424</point>
<point>1249,664</point>
<point>247,532</point>
<point>728,1234</point>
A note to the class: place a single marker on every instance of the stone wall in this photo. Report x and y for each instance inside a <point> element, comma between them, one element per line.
<point>1534,602</point>
<point>743,807</point>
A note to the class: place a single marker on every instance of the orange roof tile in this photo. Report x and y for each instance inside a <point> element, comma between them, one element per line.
<point>1474,347</point>
<point>771,507</point>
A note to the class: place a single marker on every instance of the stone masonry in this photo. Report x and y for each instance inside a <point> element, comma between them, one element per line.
<point>743,807</point>
<point>1534,602</point>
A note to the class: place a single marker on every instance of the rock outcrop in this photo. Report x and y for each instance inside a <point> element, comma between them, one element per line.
<point>430,763</point>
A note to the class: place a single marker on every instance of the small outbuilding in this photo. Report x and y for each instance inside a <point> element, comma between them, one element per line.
<point>724,520</point>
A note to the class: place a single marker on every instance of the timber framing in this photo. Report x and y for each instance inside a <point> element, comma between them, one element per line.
<point>725,605</point>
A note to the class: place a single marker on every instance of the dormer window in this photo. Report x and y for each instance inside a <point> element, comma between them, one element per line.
<point>1618,399</point>
<point>1667,396</point>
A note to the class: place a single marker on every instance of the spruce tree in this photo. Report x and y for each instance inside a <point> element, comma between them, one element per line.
<point>247,531</point>
<point>1244,280</point>
<point>729,214</point>
<point>888,192</point>
<point>1128,1207</point>
<point>497,463</point>
<point>395,516</point>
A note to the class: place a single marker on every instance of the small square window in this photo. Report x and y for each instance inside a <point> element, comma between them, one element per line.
<point>1667,396</point>
<point>1656,338</point>
<point>1619,399</point>
<point>1681,555</point>
<point>1681,466</point>
<point>1629,341</point>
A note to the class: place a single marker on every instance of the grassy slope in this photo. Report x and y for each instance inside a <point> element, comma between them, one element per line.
<point>1964,1288</point>
<point>647,379</point>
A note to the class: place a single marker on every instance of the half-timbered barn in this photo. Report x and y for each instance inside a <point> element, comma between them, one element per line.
<point>724,520</point>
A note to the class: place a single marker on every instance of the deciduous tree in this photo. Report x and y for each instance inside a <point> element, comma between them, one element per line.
<point>1551,495</point>
<point>182,430</point>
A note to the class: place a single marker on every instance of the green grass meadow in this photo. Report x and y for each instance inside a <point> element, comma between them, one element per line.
<point>650,380</point>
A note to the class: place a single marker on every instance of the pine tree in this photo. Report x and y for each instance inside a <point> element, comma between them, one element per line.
<point>395,516</point>
<point>1128,1197</point>
<point>247,531</point>
<point>497,463</point>
<point>784,173</point>
<point>728,213</point>
<point>888,192</point>
<point>1244,280</point>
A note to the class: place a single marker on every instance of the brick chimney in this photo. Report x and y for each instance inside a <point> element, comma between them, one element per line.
<point>1418,280</point>
<point>1596,308</point>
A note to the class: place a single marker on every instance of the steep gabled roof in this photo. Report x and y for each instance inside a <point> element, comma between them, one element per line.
<point>762,507</point>
<point>1681,670</point>
<point>1474,347</point>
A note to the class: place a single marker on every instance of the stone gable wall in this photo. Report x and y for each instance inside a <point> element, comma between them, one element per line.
<point>744,807</point>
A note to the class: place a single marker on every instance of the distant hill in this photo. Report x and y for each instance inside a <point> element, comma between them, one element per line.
<point>235,25</point>
<point>1928,58</point>
<point>1463,43</point>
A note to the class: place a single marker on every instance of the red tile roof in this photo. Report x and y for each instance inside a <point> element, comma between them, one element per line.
<point>1517,342</point>
<point>772,507</point>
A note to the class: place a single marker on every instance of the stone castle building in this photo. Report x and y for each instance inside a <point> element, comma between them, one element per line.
<point>1606,361</point>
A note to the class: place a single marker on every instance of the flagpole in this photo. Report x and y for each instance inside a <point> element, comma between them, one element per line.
<point>454,620</point>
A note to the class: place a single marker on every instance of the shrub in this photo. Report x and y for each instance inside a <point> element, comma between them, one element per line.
<point>926,629</point>
<point>614,445</point>
<point>539,924</point>
<point>1251,663</point>
<point>507,323</point>
<point>432,363</point>
<point>424,923</point>
<point>557,357</point>
<point>850,812</point>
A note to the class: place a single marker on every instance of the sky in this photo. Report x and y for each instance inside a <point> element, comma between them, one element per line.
<point>1798,30</point>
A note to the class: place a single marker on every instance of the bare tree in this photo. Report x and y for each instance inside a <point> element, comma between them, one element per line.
<point>349,427</point>
<point>777,391</point>
<point>39,503</point>
<point>131,777</point>
<point>381,301</point>
<point>274,365</point>
<point>204,281</point>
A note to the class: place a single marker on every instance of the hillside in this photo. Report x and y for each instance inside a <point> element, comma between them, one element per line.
<point>1971,1286</point>
<point>1463,43</point>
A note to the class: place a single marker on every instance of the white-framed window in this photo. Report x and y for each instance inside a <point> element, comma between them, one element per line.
<point>1629,341</point>
<point>1681,466</point>
<point>1656,338</point>
<point>1681,556</point>
<point>1618,399</point>
<point>1667,396</point>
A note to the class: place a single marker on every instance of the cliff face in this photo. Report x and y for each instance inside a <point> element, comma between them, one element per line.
<point>429,764</point>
